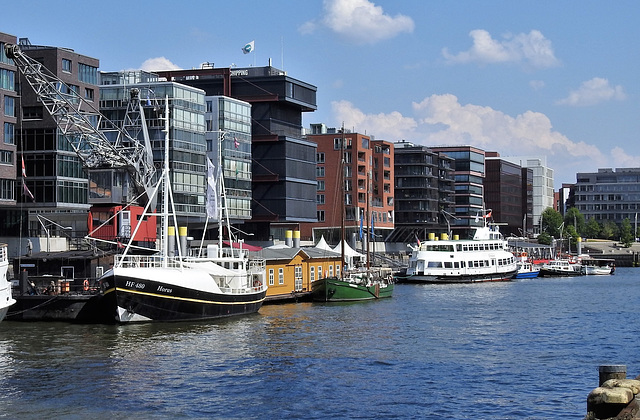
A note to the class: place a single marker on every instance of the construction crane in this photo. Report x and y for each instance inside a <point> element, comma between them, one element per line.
<point>99,142</point>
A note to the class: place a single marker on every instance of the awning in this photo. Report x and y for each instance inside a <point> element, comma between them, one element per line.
<point>244,246</point>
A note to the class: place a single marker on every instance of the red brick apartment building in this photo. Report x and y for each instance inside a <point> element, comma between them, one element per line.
<point>368,187</point>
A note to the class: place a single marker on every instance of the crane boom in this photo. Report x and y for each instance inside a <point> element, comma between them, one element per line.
<point>84,127</point>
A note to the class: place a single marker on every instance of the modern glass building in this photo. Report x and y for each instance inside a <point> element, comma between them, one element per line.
<point>283,161</point>
<point>187,144</point>
<point>469,173</point>
<point>54,173</point>
<point>228,124</point>
<point>609,195</point>
<point>424,187</point>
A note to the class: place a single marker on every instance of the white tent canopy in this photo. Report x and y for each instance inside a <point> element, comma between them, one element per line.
<point>350,255</point>
<point>322,244</point>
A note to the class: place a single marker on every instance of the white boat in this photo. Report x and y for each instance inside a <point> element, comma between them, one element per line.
<point>481,259</point>
<point>6,299</point>
<point>164,287</point>
<point>560,267</point>
<point>598,266</point>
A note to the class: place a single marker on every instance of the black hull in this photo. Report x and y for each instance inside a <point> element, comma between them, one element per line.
<point>80,308</point>
<point>125,300</point>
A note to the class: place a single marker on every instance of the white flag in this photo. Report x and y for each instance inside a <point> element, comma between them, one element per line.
<point>248,47</point>
<point>212,191</point>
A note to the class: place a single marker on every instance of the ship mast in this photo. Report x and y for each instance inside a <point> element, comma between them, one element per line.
<point>342,210</point>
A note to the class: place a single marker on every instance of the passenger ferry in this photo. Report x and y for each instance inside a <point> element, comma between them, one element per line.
<point>481,259</point>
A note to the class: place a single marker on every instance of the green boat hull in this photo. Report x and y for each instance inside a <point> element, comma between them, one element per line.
<point>335,290</point>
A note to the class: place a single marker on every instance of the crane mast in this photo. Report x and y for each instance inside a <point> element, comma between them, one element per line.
<point>99,142</point>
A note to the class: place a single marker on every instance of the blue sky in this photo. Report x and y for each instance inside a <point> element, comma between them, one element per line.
<point>548,78</point>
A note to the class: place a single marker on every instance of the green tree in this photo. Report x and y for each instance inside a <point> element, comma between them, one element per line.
<point>592,228</point>
<point>626,233</point>
<point>551,221</point>
<point>574,218</point>
<point>544,238</point>
<point>609,230</point>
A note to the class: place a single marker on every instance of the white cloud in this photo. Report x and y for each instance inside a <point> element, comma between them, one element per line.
<point>531,49</point>
<point>157,64</point>
<point>593,92</point>
<point>383,126</point>
<point>443,120</point>
<point>359,21</point>
<point>536,84</point>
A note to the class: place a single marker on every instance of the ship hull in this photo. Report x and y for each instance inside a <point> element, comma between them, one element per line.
<point>336,290</point>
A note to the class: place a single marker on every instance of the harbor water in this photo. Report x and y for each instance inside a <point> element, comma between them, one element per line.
<point>527,349</point>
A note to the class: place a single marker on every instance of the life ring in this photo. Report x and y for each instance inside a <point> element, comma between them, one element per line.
<point>257,283</point>
<point>85,285</point>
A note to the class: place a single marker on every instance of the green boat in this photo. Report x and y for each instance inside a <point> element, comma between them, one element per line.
<point>353,288</point>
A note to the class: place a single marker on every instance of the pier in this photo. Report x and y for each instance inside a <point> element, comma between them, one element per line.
<point>615,396</point>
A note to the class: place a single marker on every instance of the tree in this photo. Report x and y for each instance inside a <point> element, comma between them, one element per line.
<point>574,218</point>
<point>551,221</point>
<point>592,228</point>
<point>626,234</point>
<point>609,230</point>
<point>544,238</point>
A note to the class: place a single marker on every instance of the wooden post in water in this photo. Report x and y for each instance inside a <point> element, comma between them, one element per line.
<point>611,372</point>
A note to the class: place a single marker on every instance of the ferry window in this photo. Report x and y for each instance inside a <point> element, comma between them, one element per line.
<point>458,247</point>
<point>466,248</point>
<point>476,264</point>
<point>434,264</point>
<point>448,264</point>
<point>470,264</point>
<point>456,265</point>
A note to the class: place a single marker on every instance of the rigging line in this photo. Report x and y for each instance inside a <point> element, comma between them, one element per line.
<point>263,167</point>
<point>262,205</point>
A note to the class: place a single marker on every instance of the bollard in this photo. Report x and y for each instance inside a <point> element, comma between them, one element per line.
<point>611,372</point>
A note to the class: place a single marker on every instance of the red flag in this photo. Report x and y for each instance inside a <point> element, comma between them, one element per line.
<point>25,191</point>
<point>24,171</point>
<point>488,215</point>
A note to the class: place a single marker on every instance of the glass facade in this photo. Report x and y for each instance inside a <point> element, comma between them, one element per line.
<point>609,195</point>
<point>228,123</point>
<point>187,145</point>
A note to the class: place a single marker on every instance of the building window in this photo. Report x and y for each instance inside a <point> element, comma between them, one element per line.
<point>280,275</point>
<point>6,157</point>
<point>320,215</point>
<point>320,198</point>
<point>87,74</point>
<point>330,271</point>
<point>319,171</point>
<point>9,133</point>
<point>271,279</point>
<point>88,94</point>
<point>320,186</point>
<point>7,189</point>
<point>7,79</point>
<point>9,106</point>
<point>320,157</point>
<point>312,273</point>
<point>66,65</point>
<point>319,271</point>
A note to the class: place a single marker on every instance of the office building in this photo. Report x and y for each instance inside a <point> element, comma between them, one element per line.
<point>424,192</point>
<point>283,161</point>
<point>543,190</point>
<point>187,144</point>
<point>54,173</point>
<point>469,173</point>
<point>609,194</point>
